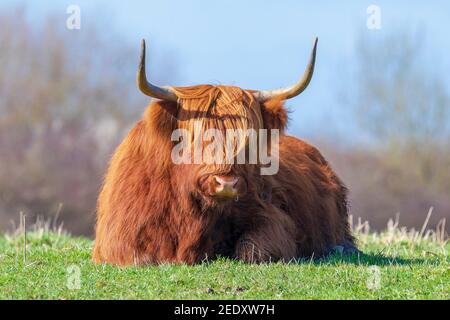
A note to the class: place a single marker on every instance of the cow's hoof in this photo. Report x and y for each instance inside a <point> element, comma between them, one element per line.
<point>345,248</point>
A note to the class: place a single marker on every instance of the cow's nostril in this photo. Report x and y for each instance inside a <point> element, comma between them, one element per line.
<point>217,180</point>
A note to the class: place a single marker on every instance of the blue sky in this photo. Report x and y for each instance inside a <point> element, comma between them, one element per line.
<point>263,44</point>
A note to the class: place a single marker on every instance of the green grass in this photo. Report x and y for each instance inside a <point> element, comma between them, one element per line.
<point>408,264</point>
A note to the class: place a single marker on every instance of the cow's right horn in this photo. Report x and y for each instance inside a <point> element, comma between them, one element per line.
<point>163,93</point>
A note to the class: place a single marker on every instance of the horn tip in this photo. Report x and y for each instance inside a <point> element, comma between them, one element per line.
<point>142,52</point>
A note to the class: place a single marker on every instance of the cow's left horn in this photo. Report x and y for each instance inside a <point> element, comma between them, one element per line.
<point>163,93</point>
<point>294,90</point>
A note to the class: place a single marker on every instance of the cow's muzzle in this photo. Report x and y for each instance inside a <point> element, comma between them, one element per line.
<point>225,187</point>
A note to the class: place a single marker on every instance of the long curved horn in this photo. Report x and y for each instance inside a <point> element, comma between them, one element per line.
<point>294,90</point>
<point>163,93</point>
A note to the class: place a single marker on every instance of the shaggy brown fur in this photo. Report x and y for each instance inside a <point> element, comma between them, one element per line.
<point>152,211</point>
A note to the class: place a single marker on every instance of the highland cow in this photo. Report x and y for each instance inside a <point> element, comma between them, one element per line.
<point>152,210</point>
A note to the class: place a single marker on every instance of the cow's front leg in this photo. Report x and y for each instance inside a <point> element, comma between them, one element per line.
<point>271,239</point>
<point>195,243</point>
<point>195,251</point>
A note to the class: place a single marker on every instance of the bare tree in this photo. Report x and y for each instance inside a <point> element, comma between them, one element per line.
<point>66,99</point>
<point>402,103</point>
<point>399,97</point>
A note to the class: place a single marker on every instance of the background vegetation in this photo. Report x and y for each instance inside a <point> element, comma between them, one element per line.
<point>67,99</point>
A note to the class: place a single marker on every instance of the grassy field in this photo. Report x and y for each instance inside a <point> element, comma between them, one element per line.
<point>396,264</point>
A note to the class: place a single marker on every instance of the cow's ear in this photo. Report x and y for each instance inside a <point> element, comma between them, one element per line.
<point>161,115</point>
<point>170,107</point>
<point>274,114</point>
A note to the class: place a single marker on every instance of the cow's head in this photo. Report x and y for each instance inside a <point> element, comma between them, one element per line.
<point>213,178</point>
